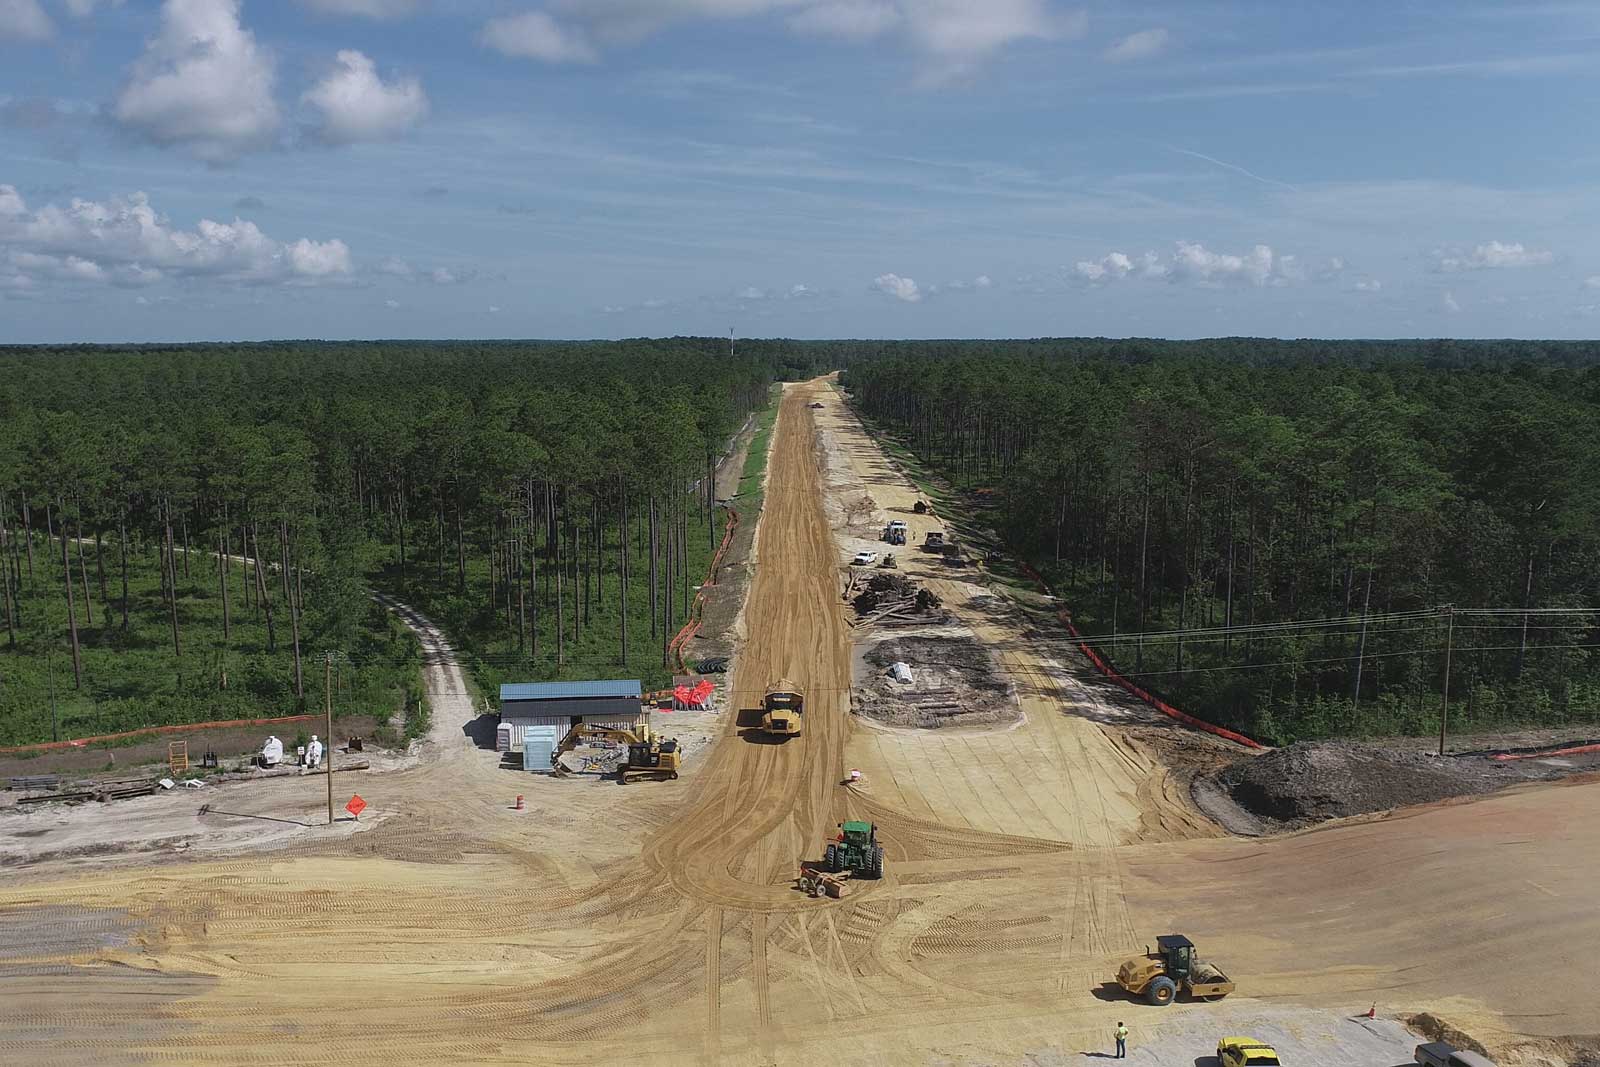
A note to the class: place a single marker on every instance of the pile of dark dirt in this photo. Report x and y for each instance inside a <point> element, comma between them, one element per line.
<point>1312,781</point>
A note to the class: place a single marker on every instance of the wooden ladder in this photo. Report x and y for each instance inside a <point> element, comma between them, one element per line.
<point>178,756</point>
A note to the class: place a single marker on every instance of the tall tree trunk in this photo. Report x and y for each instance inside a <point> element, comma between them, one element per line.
<point>172,599</point>
<point>185,545</point>
<point>1361,644</point>
<point>461,548</point>
<point>27,538</point>
<point>1527,602</point>
<point>561,613</point>
<point>83,577</point>
<point>294,614</point>
<point>263,598</point>
<point>122,554</point>
<point>623,567</point>
<point>1144,556</point>
<point>100,571</point>
<point>654,550</point>
<point>72,612</point>
<point>222,583</point>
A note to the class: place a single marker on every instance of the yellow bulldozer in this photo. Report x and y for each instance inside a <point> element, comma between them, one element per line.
<point>1157,976</point>
<point>781,709</point>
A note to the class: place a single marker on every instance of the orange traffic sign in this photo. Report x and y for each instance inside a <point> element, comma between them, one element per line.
<point>356,805</point>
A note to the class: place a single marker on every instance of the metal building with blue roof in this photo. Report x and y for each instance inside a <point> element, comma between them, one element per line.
<point>556,707</point>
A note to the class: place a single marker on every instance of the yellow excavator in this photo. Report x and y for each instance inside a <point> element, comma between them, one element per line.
<point>647,756</point>
<point>781,709</point>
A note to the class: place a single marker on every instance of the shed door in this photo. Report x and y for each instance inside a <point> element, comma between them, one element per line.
<point>538,744</point>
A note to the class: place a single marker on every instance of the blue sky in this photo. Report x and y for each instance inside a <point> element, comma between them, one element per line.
<point>211,169</point>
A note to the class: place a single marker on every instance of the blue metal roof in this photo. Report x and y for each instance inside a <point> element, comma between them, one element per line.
<point>615,688</point>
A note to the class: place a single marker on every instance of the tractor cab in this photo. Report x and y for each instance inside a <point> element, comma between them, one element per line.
<point>1177,952</point>
<point>856,849</point>
<point>1158,976</point>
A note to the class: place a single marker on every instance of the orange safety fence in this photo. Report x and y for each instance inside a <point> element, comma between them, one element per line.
<point>692,626</point>
<point>1575,750</point>
<point>1104,666</point>
<point>223,724</point>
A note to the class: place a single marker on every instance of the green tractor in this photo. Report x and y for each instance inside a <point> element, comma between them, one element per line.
<point>856,850</point>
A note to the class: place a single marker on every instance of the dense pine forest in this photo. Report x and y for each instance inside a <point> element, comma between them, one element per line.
<point>1273,533</point>
<point>186,531</point>
<point>1285,537</point>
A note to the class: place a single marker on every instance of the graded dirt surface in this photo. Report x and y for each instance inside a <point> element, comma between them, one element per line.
<point>655,923</point>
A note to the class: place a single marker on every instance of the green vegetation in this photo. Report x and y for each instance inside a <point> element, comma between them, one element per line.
<point>755,460</point>
<point>1266,533</point>
<point>130,676</point>
<point>486,483</point>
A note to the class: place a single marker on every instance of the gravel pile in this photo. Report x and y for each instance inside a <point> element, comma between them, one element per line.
<point>1311,781</point>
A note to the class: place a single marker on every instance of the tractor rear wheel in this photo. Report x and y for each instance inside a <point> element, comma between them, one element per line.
<point>875,863</point>
<point>1161,991</point>
<point>831,858</point>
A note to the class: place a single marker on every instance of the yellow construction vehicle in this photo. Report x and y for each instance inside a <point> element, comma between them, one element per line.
<point>1157,976</point>
<point>586,734</point>
<point>781,709</point>
<point>646,756</point>
<point>656,760</point>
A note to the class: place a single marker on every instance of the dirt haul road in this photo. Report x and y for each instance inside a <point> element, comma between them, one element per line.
<point>460,932</point>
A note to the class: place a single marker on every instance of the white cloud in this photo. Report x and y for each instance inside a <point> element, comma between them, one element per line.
<point>59,268</point>
<point>124,241</point>
<point>750,292</point>
<point>1194,263</point>
<point>319,259</point>
<point>847,20</point>
<point>1494,255</point>
<point>1367,285</point>
<point>354,104</point>
<point>1449,302</point>
<point>493,310</point>
<point>202,84</point>
<point>372,9</point>
<point>1141,45</point>
<point>1592,282</point>
<point>957,33</point>
<point>900,288</point>
<point>535,35</point>
<point>443,276</point>
<point>391,304</point>
<point>24,20</point>
<point>982,281</point>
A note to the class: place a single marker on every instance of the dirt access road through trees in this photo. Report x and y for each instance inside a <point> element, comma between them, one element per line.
<point>460,932</point>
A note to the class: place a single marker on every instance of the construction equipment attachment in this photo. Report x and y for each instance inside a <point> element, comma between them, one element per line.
<point>815,883</point>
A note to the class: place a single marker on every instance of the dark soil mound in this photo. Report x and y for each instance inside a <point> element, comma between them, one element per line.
<point>1312,781</point>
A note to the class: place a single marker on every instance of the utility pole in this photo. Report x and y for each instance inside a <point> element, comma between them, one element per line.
<point>327,703</point>
<point>1449,642</point>
<point>55,721</point>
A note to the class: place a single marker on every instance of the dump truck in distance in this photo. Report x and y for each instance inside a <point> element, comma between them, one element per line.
<point>781,709</point>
